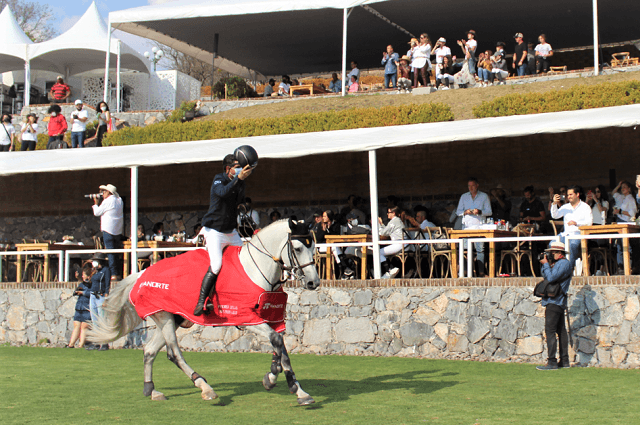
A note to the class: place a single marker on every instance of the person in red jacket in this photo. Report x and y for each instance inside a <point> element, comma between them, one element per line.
<point>57,127</point>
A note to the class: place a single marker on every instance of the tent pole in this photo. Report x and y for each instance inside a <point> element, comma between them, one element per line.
<point>345,16</point>
<point>596,40</point>
<point>373,194</point>
<point>216,37</point>
<point>27,83</point>
<point>106,64</point>
<point>134,219</point>
<point>118,94</point>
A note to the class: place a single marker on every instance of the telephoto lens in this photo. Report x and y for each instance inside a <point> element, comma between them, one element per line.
<point>99,195</point>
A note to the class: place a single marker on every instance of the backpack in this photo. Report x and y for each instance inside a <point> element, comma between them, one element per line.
<point>57,144</point>
<point>545,289</point>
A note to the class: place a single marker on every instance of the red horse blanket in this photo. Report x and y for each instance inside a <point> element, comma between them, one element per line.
<point>173,285</point>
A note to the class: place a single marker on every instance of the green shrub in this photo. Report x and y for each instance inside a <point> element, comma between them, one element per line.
<point>236,88</point>
<point>575,98</point>
<point>167,132</point>
<point>178,114</point>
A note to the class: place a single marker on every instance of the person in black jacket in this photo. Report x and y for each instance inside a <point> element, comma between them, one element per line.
<point>100,285</point>
<point>219,223</point>
<point>82,316</point>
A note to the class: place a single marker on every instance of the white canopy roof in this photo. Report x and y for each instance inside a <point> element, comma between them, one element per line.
<point>13,42</point>
<point>297,145</point>
<point>82,48</point>
<point>300,36</point>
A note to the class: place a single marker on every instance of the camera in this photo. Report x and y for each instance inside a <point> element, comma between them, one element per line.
<point>546,255</point>
<point>98,195</point>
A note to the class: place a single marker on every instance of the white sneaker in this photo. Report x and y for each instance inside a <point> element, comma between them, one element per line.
<point>393,272</point>
<point>444,88</point>
<point>385,276</point>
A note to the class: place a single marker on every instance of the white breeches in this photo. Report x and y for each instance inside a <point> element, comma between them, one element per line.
<point>216,242</point>
<point>389,250</point>
<point>336,251</point>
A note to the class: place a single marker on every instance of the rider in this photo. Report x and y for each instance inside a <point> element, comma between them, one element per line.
<point>219,223</point>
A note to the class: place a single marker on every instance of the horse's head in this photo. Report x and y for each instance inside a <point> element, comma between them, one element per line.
<point>300,257</point>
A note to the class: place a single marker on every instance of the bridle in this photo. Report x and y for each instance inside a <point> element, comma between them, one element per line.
<point>295,268</point>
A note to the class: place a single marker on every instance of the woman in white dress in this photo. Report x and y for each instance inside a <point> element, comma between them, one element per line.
<point>421,63</point>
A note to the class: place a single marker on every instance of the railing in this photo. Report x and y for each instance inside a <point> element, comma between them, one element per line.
<point>59,253</point>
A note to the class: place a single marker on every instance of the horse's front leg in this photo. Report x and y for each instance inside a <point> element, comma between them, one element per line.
<point>175,355</point>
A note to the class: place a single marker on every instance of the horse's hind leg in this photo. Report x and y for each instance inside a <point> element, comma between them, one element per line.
<point>280,361</point>
<point>175,355</point>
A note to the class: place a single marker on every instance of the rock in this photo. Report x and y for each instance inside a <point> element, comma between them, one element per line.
<point>360,311</point>
<point>214,333</point>
<point>525,307</point>
<point>593,301</point>
<point>231,334</point>
<point>493,295</point>
<point>317,332</point>
<point>506,331</point>
<point>477,329</point>
<point>490,346</point>
<point>604,356</point>
<point>241,344</point>
<point>624,333</point>
<point>529,346</point>
<point>611,316</point>
<point>457,343</point>
<point>415,333</point>
<point>16,318</point>
<point>459,295</point>
<point>439,304</point>
<point>397,302</point>
<point>507,300</point>
<point>68,308</point>
<point>614,295</point>
<point>340,297</point>
<point>308,298</point>
<point>363,297</point>
<point>442,330</point>
<point>587,346</point>
<point>533,326</point>
<point>456,312</point>
<point>618,355</point>
<point>632,308</point>
<point>354,330</point>
<point>426,315</point>
<point>606,335</point>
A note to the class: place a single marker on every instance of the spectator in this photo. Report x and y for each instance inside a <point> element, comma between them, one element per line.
<point>110,212</point>
<point>471,45</point>
<point>444,73</point>
<point>499,64</point>
<point>485,76</point>
<point>316,224</point>
<point>440,51</point>
<point>598,200</point>
<point>543,54</point>
<point>100,285</point>
<point>335,85</point>
<point>104,120</point>
<point>79,119</point>
<point>390,61</point>
<point>7,135</point>
<point>412,46</point>
<point>556,270</point>
<point>520,56</point>
<point>353,206</point>
<point>404,72</point>
<point>575,213</point>
<point>284,87</point>
<point>83,314</point>
<point>331,226</point>
<point>420,220</point>
<point>268,89</point>
<point>474,207</point>
<point>275,216</point>
<point>393,229</point>
<point>354,86</point>
<point>531,59</point>
<point>500,205</point>
<point>354,72</point>
<point>624,210</point>
<point>421,64</point>
<point>29,133</point>
<point>248,218</point>
<point>563,196</point>
<point>60,92</point>
<point>532,208</point>
<point>56,128</point>
<point>197,236</point>
<point>157,232</point>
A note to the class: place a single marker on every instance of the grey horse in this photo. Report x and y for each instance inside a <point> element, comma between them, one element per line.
<point>263,258</point>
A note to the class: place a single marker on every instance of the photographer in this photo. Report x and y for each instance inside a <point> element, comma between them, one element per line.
<point>111,216</point>
<point>556,269</point>
<point>100,285</point>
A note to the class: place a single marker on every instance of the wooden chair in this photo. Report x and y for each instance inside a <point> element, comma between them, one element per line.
<point>97,242</point>
<point>319,258</point>
<point>421,252</point>
<point>33,265</point>
<point>553,69</point>
<point>522,249</point>
<point>558,226</point>
<point>440,254</point>
<point>607,256</point>
<point>620,59</point>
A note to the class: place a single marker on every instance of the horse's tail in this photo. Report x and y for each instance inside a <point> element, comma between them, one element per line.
<point>120,315</point>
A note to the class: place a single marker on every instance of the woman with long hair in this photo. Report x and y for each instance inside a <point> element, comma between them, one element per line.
<point>598,200</point>
<point>421,62</point>
<point>29,133</point>
<point>104,118</point>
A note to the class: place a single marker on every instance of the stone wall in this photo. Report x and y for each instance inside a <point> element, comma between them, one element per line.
<point>476,319</point>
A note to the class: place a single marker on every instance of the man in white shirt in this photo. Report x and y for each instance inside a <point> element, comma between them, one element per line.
<point>474,207</point>
<point>354,72</point>
<point>576,213</point>
<point>111,216</point>
<point>79,119</point>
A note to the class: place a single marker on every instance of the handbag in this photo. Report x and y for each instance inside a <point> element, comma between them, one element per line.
<point>439,234</point>
<point>9,136</point>
<point>545,289</point>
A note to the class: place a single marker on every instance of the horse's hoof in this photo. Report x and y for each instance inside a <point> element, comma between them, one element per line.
<point>267,383</point>
<point>209,395</point>
<point>157,396</point>
<point>305,401</point>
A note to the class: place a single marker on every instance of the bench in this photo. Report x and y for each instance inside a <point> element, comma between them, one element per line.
<point>623,59</point>
<point>557,69</point>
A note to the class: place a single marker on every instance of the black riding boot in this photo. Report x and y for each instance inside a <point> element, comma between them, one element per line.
<point>208,284</point>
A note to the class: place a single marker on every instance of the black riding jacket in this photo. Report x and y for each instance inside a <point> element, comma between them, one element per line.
<point>226,194</point>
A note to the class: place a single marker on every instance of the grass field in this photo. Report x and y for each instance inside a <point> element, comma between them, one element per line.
<point>61,386</point>
<point>461,101</point>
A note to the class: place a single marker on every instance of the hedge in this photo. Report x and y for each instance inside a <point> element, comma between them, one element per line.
<point>575,98</point>
<point>166,132</point>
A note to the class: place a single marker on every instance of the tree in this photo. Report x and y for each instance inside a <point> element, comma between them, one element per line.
<point>35,19</point>
<point>191,66</point>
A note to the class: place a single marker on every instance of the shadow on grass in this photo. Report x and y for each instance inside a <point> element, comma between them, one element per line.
<point>337,390</point>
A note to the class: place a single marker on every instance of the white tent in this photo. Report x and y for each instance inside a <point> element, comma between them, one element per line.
<point>13,53</point>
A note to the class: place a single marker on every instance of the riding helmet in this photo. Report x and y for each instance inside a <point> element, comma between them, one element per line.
<point>246,155</point>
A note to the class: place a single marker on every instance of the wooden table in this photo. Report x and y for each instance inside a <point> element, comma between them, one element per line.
<point>310,88</point>
<point>151,244</point>
<point>44,246</point>
<point>621,228</point>
<point>478,233</point>
<point>350,239</point>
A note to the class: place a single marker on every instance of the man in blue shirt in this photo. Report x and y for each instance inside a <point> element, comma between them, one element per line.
<point>390,61</point>
<point>560,271</point>
<point>354,72</point>
<point>474,207</point>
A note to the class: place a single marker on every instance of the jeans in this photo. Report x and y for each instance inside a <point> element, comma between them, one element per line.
<point>522,70</point>
<point>112,242</point>
<point>77,139</point>
<point>485,75</point>
<point>575,249</point>
<point>554,324</point>
<point>95,307</point>
<point>472,65</point>
<point>393,78</point>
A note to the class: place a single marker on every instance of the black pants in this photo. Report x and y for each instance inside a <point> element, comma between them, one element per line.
<point>543,64</point>
<point>5,148</point>
<point>554,324</point>
<point>100,134</point>
<point>28,145</point>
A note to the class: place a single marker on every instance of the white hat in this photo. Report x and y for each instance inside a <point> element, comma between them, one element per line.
<point>111,188</point>
<point>556,246</point>
<point>78,102</point>
<point>444,40</point>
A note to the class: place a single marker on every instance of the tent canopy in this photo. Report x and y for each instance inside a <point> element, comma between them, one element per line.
<point>297,145</point>
<point>13,41</point>
<point>303,36</point>
<point>82,49</point>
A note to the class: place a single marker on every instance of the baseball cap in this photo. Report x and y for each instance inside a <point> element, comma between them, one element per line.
<point>518,34</point>
<point>78,102</point>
